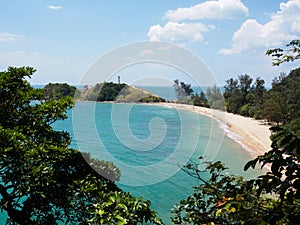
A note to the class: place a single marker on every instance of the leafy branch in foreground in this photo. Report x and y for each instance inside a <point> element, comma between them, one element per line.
<point>220,198</point>
<point>290,54</point>
<point>283,180</point>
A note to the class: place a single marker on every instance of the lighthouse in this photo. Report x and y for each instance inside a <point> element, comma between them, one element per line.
<point>119,79</point>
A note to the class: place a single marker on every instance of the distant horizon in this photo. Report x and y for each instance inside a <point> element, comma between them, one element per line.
<point>141,86</point>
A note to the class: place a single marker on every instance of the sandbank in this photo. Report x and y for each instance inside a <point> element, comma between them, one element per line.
<point>253,135</point>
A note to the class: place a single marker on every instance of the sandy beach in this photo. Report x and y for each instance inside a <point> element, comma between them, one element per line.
<point>252,134</point>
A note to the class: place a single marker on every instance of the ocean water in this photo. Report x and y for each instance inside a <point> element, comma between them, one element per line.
<point>168,93</point>
<point>150,144</point>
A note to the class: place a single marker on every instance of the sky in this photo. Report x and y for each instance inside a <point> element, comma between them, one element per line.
<point>64,39</point>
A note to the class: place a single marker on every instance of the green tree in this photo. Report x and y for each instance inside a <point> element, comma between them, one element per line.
<point>282,101</point>
<point>220,198</point>
<point>58,90</point>
<point>233,96</point>
<point>183,91</point>
<point>257,92</point>
<point>274,107</point>
<point>255,99</point>
<point>243,97</point>
<point>245,84</point>
<point>42,180</point>
<point>215,98</point>
<point>109,91</point>
<point>200,100</point>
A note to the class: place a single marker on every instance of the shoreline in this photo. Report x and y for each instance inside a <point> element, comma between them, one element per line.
<point>253,135</point>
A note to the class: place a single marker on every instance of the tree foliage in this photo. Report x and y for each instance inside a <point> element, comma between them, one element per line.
<point>183,91</point>
<point>224,198</point>
<point>279,104</point>
<point>152,99</point>
<point>243,97</point>
<point>289,54</point>
<point>42,180</point>
<point>185,94</point>
<point>248,97</point>
<point>221,198</point>
<point>282,102</point>
<point>58,90</point>
<point>215,98</point>
<point>109,91</point>
<point>199,100</point>
<point>283,180</point>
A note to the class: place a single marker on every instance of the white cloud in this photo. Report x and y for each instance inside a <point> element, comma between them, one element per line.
<point>147,52</point>
<point>212,9</point>
<point>175,30</point>
<point>282,27</point>
<point>178,32</point>
<point>54,7</point>
<point>7,37</point>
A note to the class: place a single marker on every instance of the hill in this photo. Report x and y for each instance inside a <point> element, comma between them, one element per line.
<point>58,90</point>
<point>109,91</point>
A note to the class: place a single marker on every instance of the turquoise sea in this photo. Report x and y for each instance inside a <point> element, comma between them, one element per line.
<point>150,144</point>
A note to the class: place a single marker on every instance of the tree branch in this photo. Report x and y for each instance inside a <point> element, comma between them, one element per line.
<point>15,215</point>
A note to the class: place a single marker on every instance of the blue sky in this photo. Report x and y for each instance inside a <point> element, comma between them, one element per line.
<point>62,39</point>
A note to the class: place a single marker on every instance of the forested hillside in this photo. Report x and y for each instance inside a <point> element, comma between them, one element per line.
<point>58,90</point>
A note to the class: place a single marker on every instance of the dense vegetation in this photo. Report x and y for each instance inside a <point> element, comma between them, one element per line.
<point>58,90</point>
<point>279,104</point>
<point>282,102</point>
<point>243,97</point>
<point>274,197</point>
<point>42,180</point>
<point>150,99</point>
<point>104,91</point>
